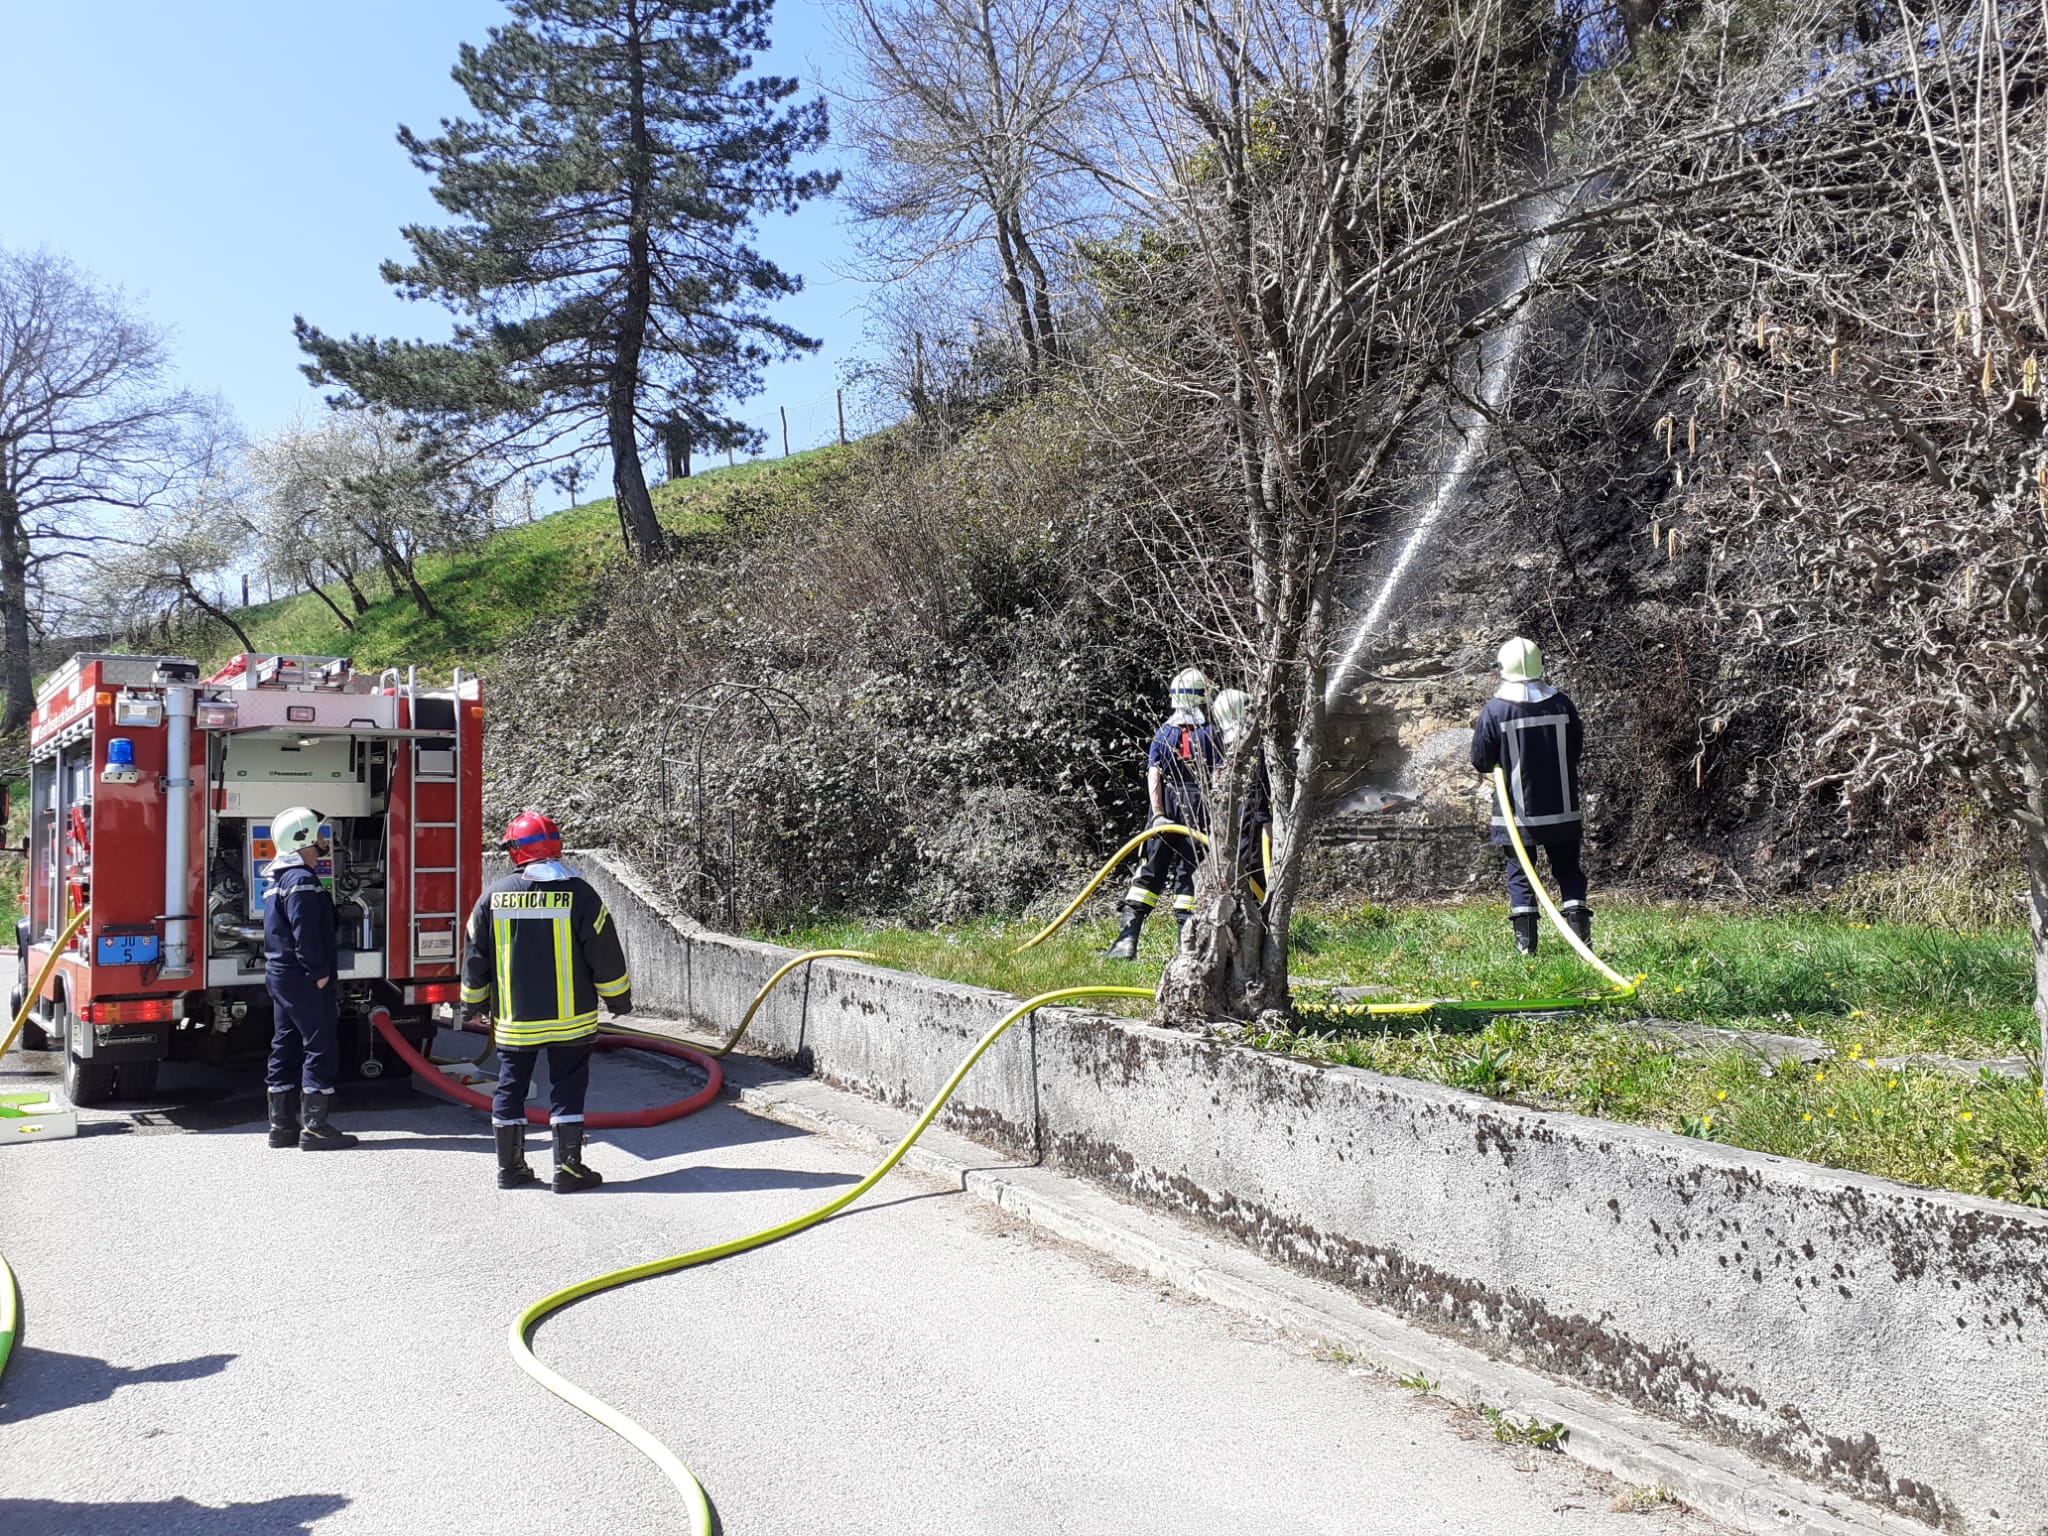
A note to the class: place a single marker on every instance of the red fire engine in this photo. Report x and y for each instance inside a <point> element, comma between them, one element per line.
<point>151,793</point>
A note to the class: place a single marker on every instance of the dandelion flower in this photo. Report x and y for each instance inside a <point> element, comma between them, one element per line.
<point>1831,1111</point>
<point>1891,1082</point>
<point>1968,1116</point>
<point>1820,1077</point>
<point>1806,1117</point>
<point>1706,1122</point>
<point>1722,1094</point>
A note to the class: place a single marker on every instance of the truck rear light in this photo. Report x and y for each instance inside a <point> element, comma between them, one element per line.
<point>434,992</point>
<point>132,1010</point>
<point>217,715</point>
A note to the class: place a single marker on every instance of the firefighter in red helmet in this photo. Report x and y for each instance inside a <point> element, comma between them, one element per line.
<point>543,953</point>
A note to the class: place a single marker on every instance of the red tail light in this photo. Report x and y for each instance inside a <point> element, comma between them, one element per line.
<point>133,1010</point>
<point>433,992</point>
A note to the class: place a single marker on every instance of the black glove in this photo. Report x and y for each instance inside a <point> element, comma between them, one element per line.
<point>620,1005</point>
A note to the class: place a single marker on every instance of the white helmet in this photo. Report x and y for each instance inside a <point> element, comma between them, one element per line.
<point>1228,712</point>
<point>1189,693</point>
<point>1521,661</point>
<point>295,829</point>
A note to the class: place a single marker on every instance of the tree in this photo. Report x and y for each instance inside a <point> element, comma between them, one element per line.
<point>599,265</point>
<point>974,119</point>
<point>183,558</point>
<point>361,487</point>
<point>86,425</point>
<point>1355,217</point>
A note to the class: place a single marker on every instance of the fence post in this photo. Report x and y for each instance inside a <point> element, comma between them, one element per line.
<point>839,399</point>
<point>785,429</point>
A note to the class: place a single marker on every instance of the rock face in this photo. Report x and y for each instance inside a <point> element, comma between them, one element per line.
<point>1561,532</point>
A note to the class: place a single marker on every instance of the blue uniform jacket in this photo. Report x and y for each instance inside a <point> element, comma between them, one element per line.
<point>1536,738</point>
<point>1185,755</point>
<point>299,927</point>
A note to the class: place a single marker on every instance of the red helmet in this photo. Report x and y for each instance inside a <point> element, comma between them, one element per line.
<point>531,836</point>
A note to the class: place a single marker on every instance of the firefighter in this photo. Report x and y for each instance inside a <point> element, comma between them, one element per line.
<point>1183,753</point>
<point>1531,730</point>
<point>301,949</point>
<point>1255,811</point>
<point>543,952</point>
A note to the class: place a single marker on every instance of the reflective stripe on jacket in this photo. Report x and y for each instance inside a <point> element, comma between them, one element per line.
<point>543,952</point>
<point>1537,738</point>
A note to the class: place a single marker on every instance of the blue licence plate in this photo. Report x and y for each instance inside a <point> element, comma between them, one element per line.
<point>127,949</point>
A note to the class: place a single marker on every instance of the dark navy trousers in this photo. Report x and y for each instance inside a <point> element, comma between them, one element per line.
<point>568,1081</point>
<point>305,1045</point>
<point>1563,848</point>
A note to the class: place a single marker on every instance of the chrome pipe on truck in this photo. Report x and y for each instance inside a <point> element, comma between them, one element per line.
<point>178,710</point>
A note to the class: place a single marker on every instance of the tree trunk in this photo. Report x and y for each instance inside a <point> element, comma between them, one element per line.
<point>419,593</point>
<point>355,593</point>
<point>629,482</point>
<point>333,607</point>
<point>193,596</point>
<point>21,691</point>
<point>2037,909</point>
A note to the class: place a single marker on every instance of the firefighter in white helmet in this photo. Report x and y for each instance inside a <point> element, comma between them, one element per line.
<point>1184,752</point>
<point>1531,731</point>
<point>301,953</point>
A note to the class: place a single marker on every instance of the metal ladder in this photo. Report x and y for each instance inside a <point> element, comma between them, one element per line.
<point>409,693</point>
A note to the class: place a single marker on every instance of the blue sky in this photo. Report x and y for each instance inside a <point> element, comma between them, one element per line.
<point>232,163</point>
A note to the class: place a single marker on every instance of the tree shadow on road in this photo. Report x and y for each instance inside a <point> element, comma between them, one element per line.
<point>264,1517</point>
<point>41,1381</point>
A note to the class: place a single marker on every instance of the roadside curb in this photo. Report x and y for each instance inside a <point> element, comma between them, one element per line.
<point>1602,1434</point>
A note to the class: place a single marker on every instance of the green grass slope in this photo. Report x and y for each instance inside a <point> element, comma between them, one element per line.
<point>487,595</point>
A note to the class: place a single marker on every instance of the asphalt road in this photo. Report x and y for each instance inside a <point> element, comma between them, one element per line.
<point>221,1338</point>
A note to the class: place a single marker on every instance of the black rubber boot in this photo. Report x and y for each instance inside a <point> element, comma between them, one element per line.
<point>571,1174</point>
<point>513,1168</point>
<point>1126,945</point>
<point>1580,921</point>
<point>315,1134</point>
<point>284,1117</point>
<point>1525,932</point>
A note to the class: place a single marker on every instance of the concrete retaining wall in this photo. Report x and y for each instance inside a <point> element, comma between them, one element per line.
<point>1885,1340</point>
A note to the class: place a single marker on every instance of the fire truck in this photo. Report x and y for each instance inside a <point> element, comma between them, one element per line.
<point>151,792</point>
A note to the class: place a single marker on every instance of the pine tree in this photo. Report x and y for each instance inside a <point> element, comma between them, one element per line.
<point>599,268</point>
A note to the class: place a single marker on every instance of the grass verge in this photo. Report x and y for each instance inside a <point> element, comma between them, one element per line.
<point>1867,991</point>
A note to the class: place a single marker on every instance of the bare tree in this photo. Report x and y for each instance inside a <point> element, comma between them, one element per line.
<point>1356,212</point>
<point>975,121</point>
<point>86,422</point>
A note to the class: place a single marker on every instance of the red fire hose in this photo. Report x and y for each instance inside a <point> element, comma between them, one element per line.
<point>616,1119</point>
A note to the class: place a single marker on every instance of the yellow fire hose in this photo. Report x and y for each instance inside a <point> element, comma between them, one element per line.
<point>761,996</point>
<point>1624,987</point>
<point>1103,874</point>
<point>10,1304</point>
<point>636,1435</point>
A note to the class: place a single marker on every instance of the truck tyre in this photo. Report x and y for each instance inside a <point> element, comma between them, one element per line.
<point>137,1079</point>
<point>86,1082</point>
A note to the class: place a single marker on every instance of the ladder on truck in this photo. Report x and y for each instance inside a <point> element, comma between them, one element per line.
<point>417,775</point>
